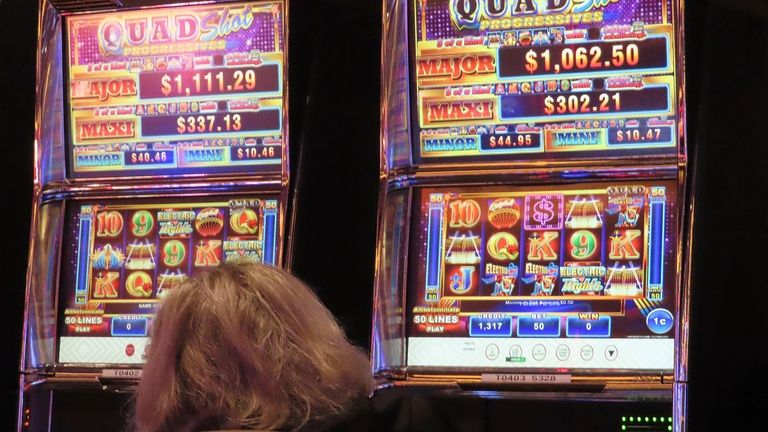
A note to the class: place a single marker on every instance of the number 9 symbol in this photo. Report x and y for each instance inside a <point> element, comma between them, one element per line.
<point>174,253</point>
<point>142,223</point>
<point>583,244</point>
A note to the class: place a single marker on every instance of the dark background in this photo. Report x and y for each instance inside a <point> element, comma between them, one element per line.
<point>334,73</point>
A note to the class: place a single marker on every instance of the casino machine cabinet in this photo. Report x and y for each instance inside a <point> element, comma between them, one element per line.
<point>532,243</point>
<point>161,150</point>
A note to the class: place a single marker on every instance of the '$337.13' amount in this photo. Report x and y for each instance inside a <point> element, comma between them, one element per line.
<point>208,123</point>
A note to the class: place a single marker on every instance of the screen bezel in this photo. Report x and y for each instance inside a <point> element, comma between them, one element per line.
<point>597,158</point>
<point>69,214</point>
<point>414,224</point>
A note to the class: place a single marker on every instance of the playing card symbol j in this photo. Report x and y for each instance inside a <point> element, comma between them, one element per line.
<point>461,279</point>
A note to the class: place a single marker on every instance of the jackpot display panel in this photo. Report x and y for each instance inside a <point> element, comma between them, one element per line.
<point>120,258</point>
<point>524,80</point>
<point>568,277</point>
<point>173,91</point>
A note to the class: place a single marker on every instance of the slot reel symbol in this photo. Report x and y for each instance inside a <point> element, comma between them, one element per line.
<point>244,221</point>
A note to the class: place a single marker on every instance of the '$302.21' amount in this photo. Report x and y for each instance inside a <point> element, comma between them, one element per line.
<point>574,104</point>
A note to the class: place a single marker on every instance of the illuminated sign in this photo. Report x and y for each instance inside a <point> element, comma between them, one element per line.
<point>525,79</point>
<point>178,90</point>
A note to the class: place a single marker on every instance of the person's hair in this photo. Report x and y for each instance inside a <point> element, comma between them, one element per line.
<point>246,346</point>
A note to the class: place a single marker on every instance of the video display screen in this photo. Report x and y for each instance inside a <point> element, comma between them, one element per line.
<point>121,257</point>
<point>522,79</point>
<point>176,90</point>
<point>570,277</point>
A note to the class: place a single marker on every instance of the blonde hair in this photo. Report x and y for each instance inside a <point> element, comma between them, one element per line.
<point>246,346</point>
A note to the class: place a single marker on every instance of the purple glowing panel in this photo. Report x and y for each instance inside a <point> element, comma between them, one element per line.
<point>530,80</point>
<point>166,66</point>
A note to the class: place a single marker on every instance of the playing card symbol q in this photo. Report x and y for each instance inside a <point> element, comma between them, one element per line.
<point>503,246</point>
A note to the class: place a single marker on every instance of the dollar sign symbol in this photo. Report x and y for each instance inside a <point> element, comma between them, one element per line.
<point>549,105</point>
<point>531,63</point>
<point>166,83</point>
<point>543,211</point>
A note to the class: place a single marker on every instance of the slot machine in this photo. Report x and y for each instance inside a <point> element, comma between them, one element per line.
<point>532,248</point>
<point>161,150</point>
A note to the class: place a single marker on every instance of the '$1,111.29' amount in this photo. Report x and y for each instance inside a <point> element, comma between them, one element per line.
<point>221,82</point>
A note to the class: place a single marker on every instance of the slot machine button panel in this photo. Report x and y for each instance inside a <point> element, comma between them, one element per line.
<point>539,352</point>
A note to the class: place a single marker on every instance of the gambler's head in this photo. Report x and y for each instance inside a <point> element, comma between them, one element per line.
<point>246,345</point>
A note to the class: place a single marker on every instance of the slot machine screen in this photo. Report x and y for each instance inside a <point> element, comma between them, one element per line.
<point>521,80</point>
<point>176,90</point>
<point>121,257</point>
<point>577,277</point>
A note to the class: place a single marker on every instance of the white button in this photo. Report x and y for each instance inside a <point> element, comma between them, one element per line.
<point>492,351</point>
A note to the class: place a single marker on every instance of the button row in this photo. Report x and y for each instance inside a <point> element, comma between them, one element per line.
<point>539,352</point>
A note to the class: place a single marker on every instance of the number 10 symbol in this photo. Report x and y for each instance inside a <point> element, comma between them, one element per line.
<point>464,214</point>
